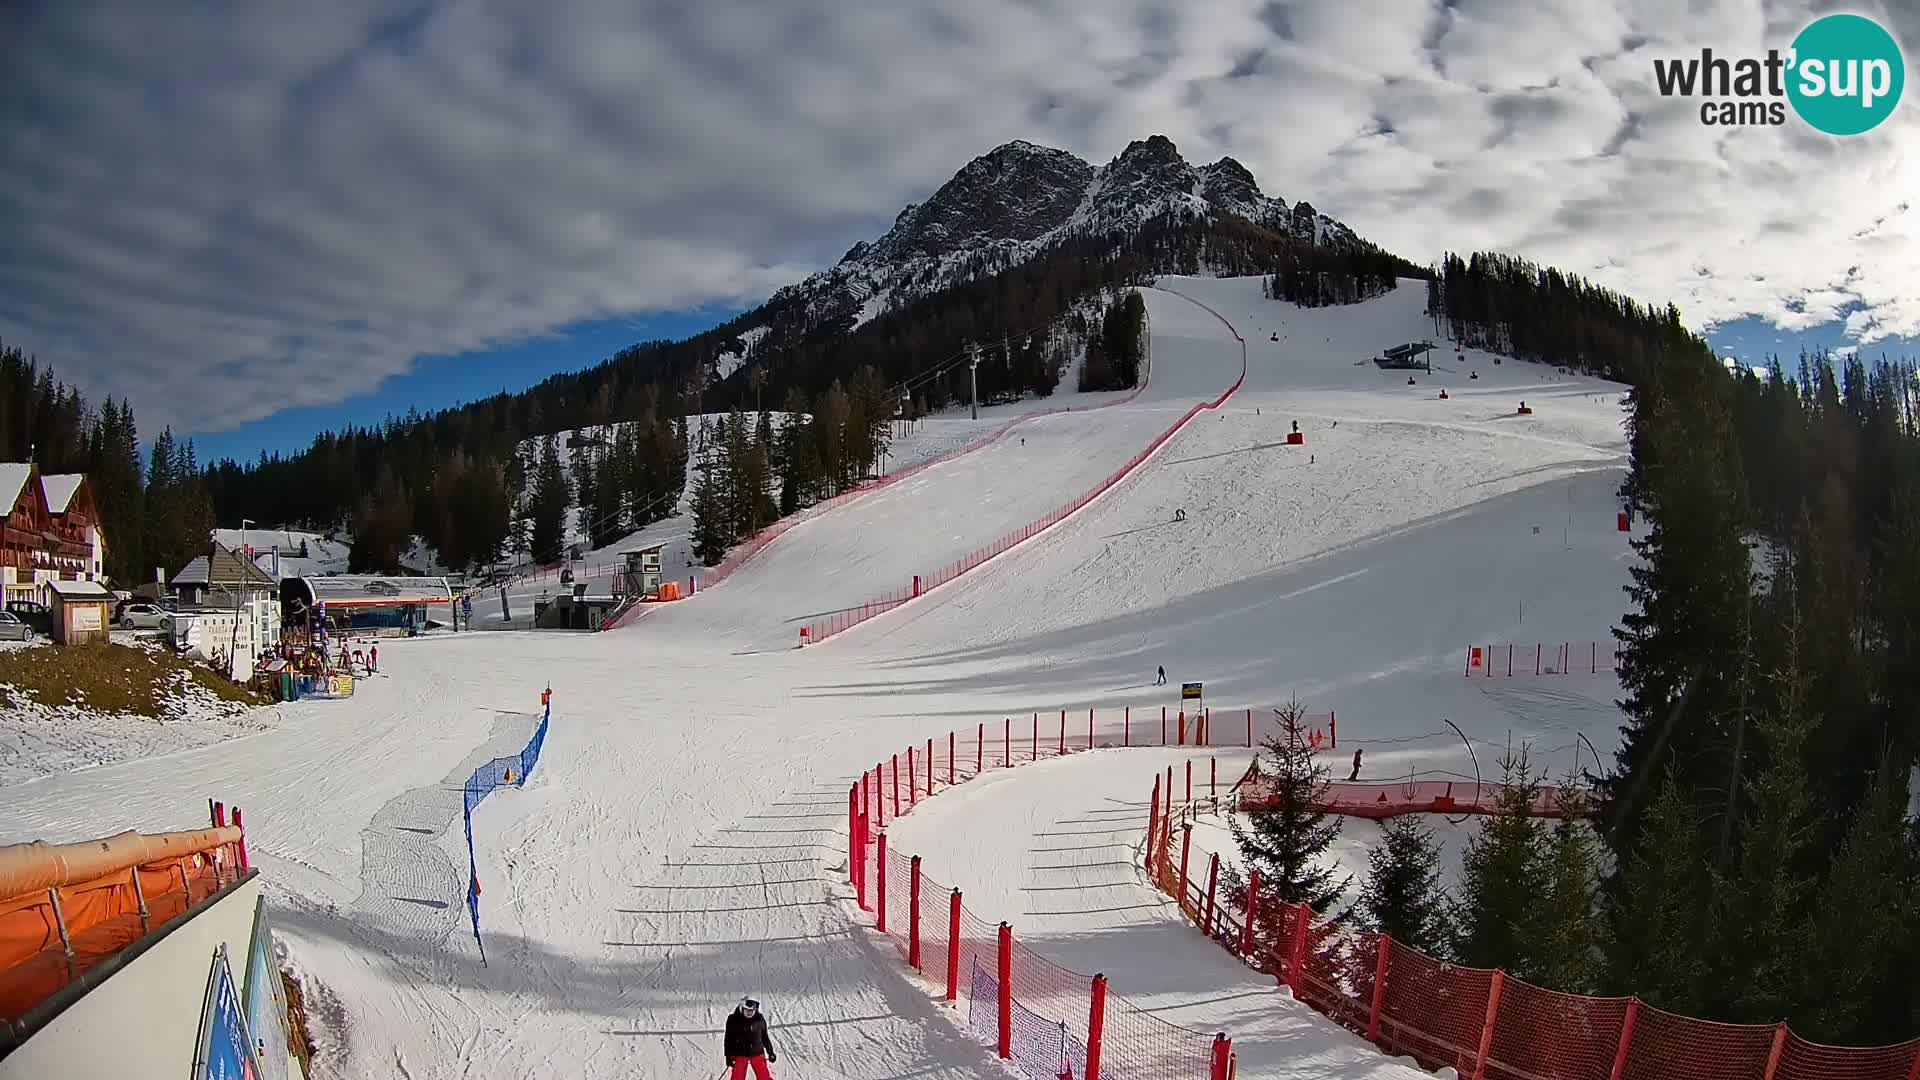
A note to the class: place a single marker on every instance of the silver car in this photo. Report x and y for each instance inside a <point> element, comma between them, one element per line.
<point>12,629</point>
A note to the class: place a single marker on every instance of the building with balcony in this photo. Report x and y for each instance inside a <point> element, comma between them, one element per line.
<point>52,531</point>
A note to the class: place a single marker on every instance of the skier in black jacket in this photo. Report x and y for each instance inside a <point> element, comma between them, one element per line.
<point>748,1043</point>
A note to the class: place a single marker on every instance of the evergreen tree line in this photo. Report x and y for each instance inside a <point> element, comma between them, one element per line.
<point>1115,354</point>
<point>153,518</point>
<point>749,472</point>
<point>1509,305</point>
<point>1771,662</point>
<point>1318,277</point>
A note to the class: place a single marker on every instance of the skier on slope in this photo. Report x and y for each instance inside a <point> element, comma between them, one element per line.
<point>1161,678</point>
<point>748,1042</point>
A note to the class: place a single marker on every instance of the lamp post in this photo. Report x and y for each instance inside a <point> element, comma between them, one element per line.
<point>973,377</point>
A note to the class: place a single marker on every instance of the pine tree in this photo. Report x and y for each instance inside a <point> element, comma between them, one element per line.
<point>711,532</point>
<point>1659,914</point>
<point>1288,840</point>
<point>1402,895</point>
<point>1863,928</point>
<point>551,500</point>
<point>1763,902</point>
<point>1503,876</point>
<point>1563,933</point>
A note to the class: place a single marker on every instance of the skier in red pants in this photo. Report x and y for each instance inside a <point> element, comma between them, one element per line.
<point>748,1043</point>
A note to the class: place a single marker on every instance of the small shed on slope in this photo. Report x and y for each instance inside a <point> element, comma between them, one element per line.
<point>82,611</point>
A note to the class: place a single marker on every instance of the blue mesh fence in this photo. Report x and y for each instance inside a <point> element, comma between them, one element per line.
<point>496,773</point>
<point>1042,1049</point>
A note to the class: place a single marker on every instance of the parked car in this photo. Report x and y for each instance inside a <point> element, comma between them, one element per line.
<point>142,617</point>
<point>12,628</point>
<point>33,613</point>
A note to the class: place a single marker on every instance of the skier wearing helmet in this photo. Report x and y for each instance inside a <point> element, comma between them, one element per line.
<point>748,1043</point>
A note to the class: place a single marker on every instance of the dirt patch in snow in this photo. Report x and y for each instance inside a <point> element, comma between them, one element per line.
<point>112,679</point>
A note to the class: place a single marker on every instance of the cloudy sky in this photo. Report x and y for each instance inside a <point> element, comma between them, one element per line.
<point>276,206</point>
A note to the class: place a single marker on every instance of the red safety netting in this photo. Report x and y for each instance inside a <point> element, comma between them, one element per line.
<point>1479,1021</point>
<point>854,616</point>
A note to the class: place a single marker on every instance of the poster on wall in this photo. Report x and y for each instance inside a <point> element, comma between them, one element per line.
<point>86,617</point>
<point>225,1051</point>
<point>266,1001</point>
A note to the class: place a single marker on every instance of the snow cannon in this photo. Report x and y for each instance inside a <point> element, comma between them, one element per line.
<point>1443,395</point>
<point>1524,410</point>
<point>1295,437</point>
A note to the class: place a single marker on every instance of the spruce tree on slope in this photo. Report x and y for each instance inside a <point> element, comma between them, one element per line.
<point>1762,907</point>
<point>1563,933</point>
<point>711,536</point>
<point>1863,928</point>
<point>1503,876</point>
<point>1288,841</point>
<point>1659,912</point>
<point>1402,895</point>
<point>550,502</point>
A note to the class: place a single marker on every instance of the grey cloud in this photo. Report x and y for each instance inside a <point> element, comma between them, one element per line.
<point>219,217</point>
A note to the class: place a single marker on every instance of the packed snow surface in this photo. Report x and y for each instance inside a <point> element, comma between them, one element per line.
<point>680,844</point>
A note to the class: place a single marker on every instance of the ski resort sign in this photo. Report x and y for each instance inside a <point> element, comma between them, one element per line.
<point>1843,74</point>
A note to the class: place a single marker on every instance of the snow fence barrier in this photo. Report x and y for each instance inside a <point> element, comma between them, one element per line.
<point>1040,1017</point>
<point>1541,658</point>
<point>841,621</point>
<point>499,772</point>
<point>1484,1023</point>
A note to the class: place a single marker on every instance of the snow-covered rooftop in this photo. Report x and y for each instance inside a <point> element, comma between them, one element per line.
<point>59,489</point>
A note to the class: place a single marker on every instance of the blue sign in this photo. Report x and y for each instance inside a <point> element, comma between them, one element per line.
<point>266,1001</point>
<point>226,1051</point>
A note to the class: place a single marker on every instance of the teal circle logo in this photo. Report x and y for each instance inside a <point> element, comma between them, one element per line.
<point>1845,74</point>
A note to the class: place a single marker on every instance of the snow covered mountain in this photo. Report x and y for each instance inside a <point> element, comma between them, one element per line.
<point>1010,205</point>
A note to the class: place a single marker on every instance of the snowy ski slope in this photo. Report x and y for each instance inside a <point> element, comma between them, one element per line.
<point>680,844</point>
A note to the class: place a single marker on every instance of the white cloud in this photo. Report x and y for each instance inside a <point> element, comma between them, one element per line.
<point>222,217</point>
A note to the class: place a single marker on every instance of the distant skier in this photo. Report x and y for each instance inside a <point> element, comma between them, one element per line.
<point>1161,678</point>
<point>1355,774</point>
<point>1179,514</point>
<point>373,658</point>
<point>748,1043</point>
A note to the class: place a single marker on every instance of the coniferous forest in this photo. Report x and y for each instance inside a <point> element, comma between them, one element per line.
<point>1757,858</point>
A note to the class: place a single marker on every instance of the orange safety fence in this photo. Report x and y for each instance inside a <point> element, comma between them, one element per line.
<point>1485,1024</point>
<point>65,908</point>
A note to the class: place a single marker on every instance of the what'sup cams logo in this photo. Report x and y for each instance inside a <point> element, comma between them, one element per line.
<point>1843,75</point>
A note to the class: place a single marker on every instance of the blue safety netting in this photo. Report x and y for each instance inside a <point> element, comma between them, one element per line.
<point>496,773</point>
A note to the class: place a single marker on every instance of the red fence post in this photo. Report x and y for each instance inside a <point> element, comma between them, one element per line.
<point>896,785</point>
<point>1297,956</point>
<point>1189,800</point>
<point>217,813</point>
<point>953,946</point>
<point>853,833</point>
<point>1380,989</point>
<point>913,778</point>
<point>1183,727</point>
<point>1249,729</point>
<point>1333,729</point>
<point>1915,1074</point>
<point>1213,781</point>
<point>1773,1056</point>
<point>1153,821</point>
<point>1222,1052</point>
<point>950,766</point>
<point>1163,725</point>
<point>913,916</point>
<point>980,749</point>
<point>880,860</point>
<point>1089,728</point>
<point>1063,733</point>
<point>1206,726</point>
<point>929,766</point>
<point>1036,737</point>
<point>1126,727</point>
<point>1186,846</point>
<point>1006,991</point>
<point>1626,1041</point>
<point>1006,743</point>
<point>1096,1023</point>
<point>1213,879</point>
<point>1253,909</point>
<point>242,826</point>
<point>1493,1014</point>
